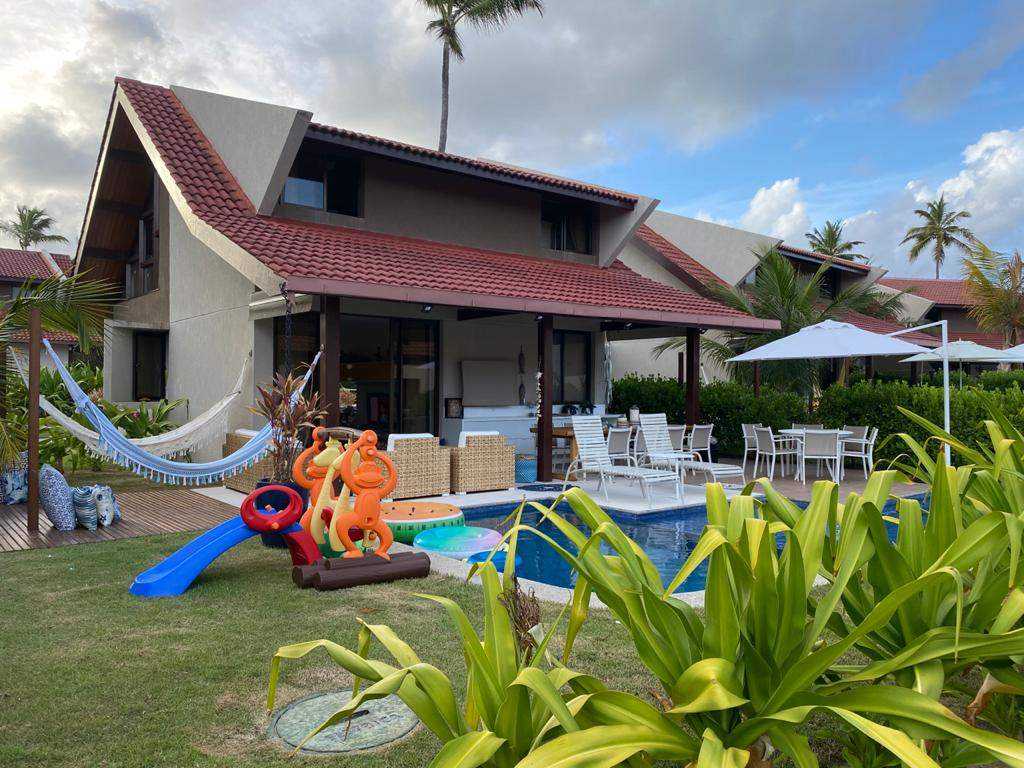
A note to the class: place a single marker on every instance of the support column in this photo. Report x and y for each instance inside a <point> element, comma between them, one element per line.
<point>869,368</point>
<point>692,375</point>
<point>545,355</point>
<point>34,343</point>
<point>757,379</point>
<point>913,373</point>
<point>330,360</point>
<point>681,368</point>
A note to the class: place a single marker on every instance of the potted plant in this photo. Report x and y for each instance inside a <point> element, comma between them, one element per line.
<point>289,422</point>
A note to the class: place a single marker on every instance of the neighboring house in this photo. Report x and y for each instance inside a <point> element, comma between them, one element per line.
<point>946,300</point>
<point>437,285</point>
<point>692,254</point>
<point>18,268</point>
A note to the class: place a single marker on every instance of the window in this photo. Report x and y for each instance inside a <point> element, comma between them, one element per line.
<point>149,365</point>
<point>327,183</point>
<point>571,361</point>
<point>566,227</point>
<point>142,271</point>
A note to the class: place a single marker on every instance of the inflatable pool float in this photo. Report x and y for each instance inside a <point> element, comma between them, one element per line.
<point>460,541</point>
<point>408,519</point>
<point>498,560</point>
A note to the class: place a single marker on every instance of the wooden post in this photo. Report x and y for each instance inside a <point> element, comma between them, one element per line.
<point>545,355</point>
<point>681,368</point>
<point>330,361</point>
<point>692,375</point>
<point>757,379</point>
<point>35,336</point>
<point>869,368</point>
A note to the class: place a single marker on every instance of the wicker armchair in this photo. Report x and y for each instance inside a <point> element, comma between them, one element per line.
<point>485,463</point>
<point>245,482</point>
<point>423,467</point>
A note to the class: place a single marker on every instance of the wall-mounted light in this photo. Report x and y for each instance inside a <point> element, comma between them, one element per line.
<point>427,307</point>
<point>628,326</point>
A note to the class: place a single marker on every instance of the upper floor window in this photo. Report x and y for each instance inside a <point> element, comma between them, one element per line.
<point>566,227</point>
<point>330,184</point>
<point>142,270</point>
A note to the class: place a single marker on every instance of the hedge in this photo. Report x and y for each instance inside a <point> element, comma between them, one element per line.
<point>725,404</point>
<point>875,404</point>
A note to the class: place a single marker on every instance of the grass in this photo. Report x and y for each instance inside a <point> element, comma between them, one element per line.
<point>96,677</point>
<point>118,479</point>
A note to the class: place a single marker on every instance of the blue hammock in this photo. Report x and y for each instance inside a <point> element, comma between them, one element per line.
<point>120,450</point>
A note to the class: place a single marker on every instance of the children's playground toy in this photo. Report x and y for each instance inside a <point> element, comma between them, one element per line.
<point>331,520</point>
<point>175,574</point>
<point>460,542</point>
<point>407,519</point>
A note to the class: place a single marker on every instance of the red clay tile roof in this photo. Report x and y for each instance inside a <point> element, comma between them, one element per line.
<point>859,266</point>
<point>678,262</point>
<point>985,338</point>
<point>317,258</point>
<point>945,293</point>
<point>491,166</point>
<point>55,337</point>
<point>21,265</point>
<point>873,324</point>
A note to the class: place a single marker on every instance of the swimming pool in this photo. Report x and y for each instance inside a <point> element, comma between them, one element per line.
<point>667,538</point>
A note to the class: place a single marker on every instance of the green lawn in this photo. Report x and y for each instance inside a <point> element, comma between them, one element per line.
<point>93,676</point>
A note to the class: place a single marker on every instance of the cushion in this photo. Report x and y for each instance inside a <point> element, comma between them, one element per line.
<point>55,499</point>
<point>84,499</point>
<point>14,486</point>
<point>106,504</point>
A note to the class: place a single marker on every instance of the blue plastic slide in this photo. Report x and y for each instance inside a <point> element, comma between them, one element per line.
<point>175,574</point>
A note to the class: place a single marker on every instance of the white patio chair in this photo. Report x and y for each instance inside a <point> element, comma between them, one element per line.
<point>677,434</point>
<point>861,447</point>
<point>821,445</point>
<point>619,439</point>
<point>700,440</point>
<point>659,451</point>
<point>749,442</point>
<point>593,458</point>
<point>770,448</point>
<point>639,445</point>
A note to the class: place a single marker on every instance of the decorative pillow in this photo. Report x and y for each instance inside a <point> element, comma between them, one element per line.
<point>106,505</point>
<point>84,499</point>
<point>55,498</point>
<point>14,486</point>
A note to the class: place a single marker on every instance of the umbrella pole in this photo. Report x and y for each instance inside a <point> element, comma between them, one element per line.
<point>943,324</point>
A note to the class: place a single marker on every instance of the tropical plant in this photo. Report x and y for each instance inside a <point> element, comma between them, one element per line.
<point>995,285</point>
<point>31,227</point>
<point>941,230</point>
<point>829,242</point>
<point>482,14</point>
<point>74,305</point>
<point>738,682</point>
<point>289,415</point>
<point>515,695</point>
<point>780,292</point>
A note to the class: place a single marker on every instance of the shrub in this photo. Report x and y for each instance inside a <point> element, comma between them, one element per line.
<point>876,404</point>
<point>725,404</point>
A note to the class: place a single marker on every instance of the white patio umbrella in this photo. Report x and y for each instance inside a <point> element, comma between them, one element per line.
<point>1017,352</point>
<point>833,339</point>
<point>962,351</point>
<point>829,339</point>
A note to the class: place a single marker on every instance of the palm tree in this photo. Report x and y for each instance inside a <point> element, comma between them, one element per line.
<point>995,285</point>
<point>71,304</point>
<point>780,292</point>
<point>30,227</point>
<point>941,229</point>
<point>483,14</point>
<point>829,242</point>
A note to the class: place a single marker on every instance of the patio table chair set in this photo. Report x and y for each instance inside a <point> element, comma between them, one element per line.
<point>808,442</point>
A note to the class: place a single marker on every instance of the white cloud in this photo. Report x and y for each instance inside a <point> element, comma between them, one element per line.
<point>778,210</point>
<point>574,89</point>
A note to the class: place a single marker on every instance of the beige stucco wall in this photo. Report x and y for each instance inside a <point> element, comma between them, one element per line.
<point>210,331</point>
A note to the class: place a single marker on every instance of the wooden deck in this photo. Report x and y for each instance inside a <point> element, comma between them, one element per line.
<point>143,513</point>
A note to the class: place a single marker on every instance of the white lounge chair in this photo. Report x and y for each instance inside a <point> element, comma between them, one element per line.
<point>593,458</point>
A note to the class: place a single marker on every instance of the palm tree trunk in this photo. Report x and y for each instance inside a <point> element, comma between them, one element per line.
<point>442,140</point>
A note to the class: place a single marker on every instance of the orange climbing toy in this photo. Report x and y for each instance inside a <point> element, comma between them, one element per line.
<point>369,485</point>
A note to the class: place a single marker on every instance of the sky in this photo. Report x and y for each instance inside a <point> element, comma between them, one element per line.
<point>771,116</point>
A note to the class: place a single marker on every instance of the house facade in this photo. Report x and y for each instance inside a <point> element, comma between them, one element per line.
<point>19,268</point>
<point>441,289</point>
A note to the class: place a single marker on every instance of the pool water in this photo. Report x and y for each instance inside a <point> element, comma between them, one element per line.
<point>667,538</point>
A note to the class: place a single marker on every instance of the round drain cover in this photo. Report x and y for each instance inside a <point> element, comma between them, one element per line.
<point>375,724</point>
